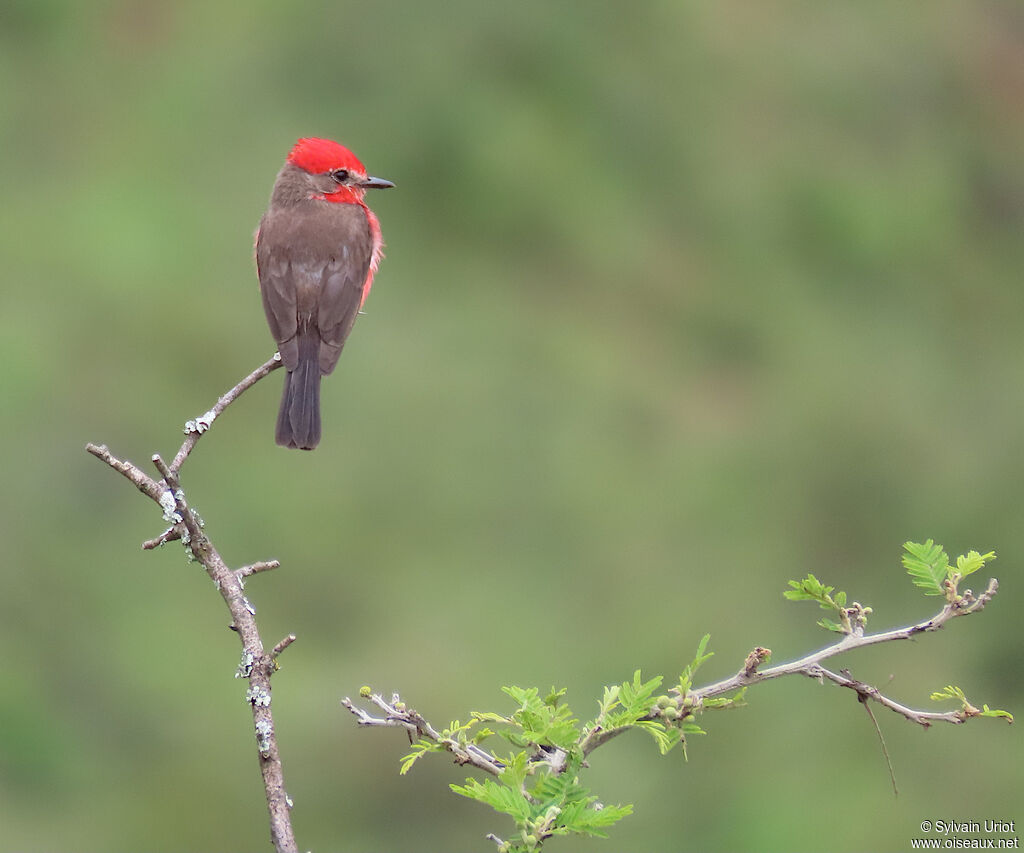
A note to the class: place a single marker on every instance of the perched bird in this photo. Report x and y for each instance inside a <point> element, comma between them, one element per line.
<point>317,249</point>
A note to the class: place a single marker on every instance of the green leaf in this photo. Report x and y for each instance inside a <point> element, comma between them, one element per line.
<point>498,797</point>
<point>636,695</point>
<point>949,692</point>
<point>737,700</point>
<point>953,692</point>
<point>928,566</point>
<point>540,721</point>
<point>418,750</point>
<point>968,565</point>
<point>812,589</point>
<point>554,696</point>
<point>610,699</point>
<point>664,738</point>
<point>490,717</point>
<point>809,589</point>
<point>516,769</point>
<point>702,655</point>
<point>995,712</point>
<point>594,821</point>
<point>557,789</point>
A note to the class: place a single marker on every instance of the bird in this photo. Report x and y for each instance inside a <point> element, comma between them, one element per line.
<point>318,247</point>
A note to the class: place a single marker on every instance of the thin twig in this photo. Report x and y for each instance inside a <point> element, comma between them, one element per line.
<point>171,534</point>
<point>262,566</point>
<point>143,482</point>
<point>281,645</point>
<point>855,640</point>
<point>195,428</point>
<point>866,691</point>
<point>397,716</point>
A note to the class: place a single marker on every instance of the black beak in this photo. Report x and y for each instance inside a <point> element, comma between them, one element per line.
<point>376,184</point>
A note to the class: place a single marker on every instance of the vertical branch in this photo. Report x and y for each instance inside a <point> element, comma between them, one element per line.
<point>257,665</point>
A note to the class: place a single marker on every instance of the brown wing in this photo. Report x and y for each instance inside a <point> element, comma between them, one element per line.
<point>312,261</point>
<point>277,288</point>
<point>342,293</point>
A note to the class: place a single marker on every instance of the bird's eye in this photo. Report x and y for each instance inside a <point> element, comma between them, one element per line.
<point>340,175</point>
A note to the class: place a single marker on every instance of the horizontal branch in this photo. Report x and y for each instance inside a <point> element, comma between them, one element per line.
<point>856,639</point>
<point>398,716</point>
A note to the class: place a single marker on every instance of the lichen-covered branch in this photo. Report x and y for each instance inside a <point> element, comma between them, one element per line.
<point>194,429</point>
<point>257,665</point>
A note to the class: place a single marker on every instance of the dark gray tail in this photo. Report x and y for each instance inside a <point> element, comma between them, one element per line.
<point>298,422</point>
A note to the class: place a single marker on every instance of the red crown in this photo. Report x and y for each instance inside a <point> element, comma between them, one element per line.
<point>318,156</point>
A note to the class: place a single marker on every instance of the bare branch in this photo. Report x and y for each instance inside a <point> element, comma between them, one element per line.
<point>856,639</point>
<point>195,428</point>
<point>256,665</point>
<point>144,483</point>
<point>866,692</point>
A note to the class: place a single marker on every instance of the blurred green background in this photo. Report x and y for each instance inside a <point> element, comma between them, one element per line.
<point>681,300</point>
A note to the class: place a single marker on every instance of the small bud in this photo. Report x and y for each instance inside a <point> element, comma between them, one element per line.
<point>365,691</point>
